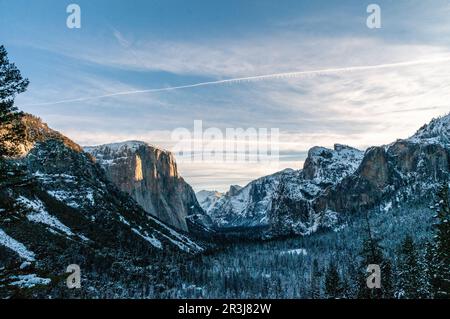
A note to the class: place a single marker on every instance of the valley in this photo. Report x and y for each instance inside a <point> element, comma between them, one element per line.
<point>122,212</point>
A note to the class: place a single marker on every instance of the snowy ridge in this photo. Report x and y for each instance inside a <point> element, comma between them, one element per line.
<point>28,281</point>
<point>246,206</point>
<point>16,246</point>
<point>436,132</point>
<point>40,215</point>
<point>105,153</point>
<point>117,147</point>
<point>325,165</point>
<point>183,242</point>
<point>152,240</point>
<point>251,205</point>
<point>207,199</point>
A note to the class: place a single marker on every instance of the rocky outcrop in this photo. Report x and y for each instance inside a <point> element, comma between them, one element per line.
<point>403,171</point>
<point>245,206</point>
<point>327,166</point>
<point>340,181</point>
<point>150,176</point>
<point>270,199</point>
<point>207,199</point>
<point>59,208</point>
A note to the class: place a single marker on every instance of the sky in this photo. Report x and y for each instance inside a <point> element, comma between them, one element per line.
<point>350,84</point>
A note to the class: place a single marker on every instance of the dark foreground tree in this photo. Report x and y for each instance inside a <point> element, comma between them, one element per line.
<point>372,254</point>
<point>12,131</point>
<point>439,261</point>
<point>333,284</point>
<point>315,280</point>
<point>409,272</point>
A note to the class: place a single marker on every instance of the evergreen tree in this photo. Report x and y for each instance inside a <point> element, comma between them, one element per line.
<point>440,280</point>
<point>333,284</point>
<point>371,254</point>
<point>387,281</point>
<point>429,271</point>
<point>12,131</point>
<point>408,270</point>
<point>315,280</point>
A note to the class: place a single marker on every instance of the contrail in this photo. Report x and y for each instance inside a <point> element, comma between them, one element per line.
<point>251,78</point>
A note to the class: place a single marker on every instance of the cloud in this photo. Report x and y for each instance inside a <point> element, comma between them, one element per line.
<point>285,75</point>
<point>243,56</point>
<point>370,96</point>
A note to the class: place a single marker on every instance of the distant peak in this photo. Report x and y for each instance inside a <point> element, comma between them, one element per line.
<point>341,147</point>
<point>319,151</point>
<point>38,131</point>
<point>435,132</point>
<point>132,145</point>
<point>233,190</point>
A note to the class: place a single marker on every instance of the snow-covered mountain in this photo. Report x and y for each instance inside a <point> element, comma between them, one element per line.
<point>243,207</point>
<point>340,181</point>
<point>207,199</point>
<point>436,132</point>
<point>150,176</point>
<point>250,205</point>
<point>387,176</point>
<point>58,201</point>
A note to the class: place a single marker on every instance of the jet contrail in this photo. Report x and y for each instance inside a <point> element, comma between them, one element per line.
<point>251,78</point>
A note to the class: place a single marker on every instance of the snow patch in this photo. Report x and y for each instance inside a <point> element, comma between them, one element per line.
<point>29,281</point>
<point>16,246</point>
<point>297,251</point>
<point>152,240</point>
<point>40,215</point>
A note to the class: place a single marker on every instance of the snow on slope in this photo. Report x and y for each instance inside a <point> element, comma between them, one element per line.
<point>436,132</point>
<point>28,281</point>
<point>40,215</point>
<point>329,166</point>
<point>207,199</point>
<point>250,205</point>
<point>16,246</point>
<point>247,206</point>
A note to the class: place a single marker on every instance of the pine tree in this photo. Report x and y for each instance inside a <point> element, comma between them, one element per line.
<point>372,253</point>
<point>315,280</point>
<point>387,281</point>
<point>429,271</point>
<point>409,272</point>
<point>440,280</point>
<point>333,284</point>
<point>12,131</point>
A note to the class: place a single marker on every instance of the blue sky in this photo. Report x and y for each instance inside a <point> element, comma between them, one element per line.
<point>139,45</point>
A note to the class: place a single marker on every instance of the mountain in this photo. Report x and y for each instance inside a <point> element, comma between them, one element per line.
<point>58,207</point>
<point>207,199</point>
<point>340,181</point>
<point>250,206</point>
<point>243,206</point>
<point>409,170</point>
<point>150,176</point>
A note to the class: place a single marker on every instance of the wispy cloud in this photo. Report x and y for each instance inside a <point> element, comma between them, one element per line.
<point>317,91</point>
<point>285,75</point>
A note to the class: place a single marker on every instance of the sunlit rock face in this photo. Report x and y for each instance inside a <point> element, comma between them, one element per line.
<point>404,171</point>
<point>138,170</point>
<point>150,176</point>
<point>58,207</point>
